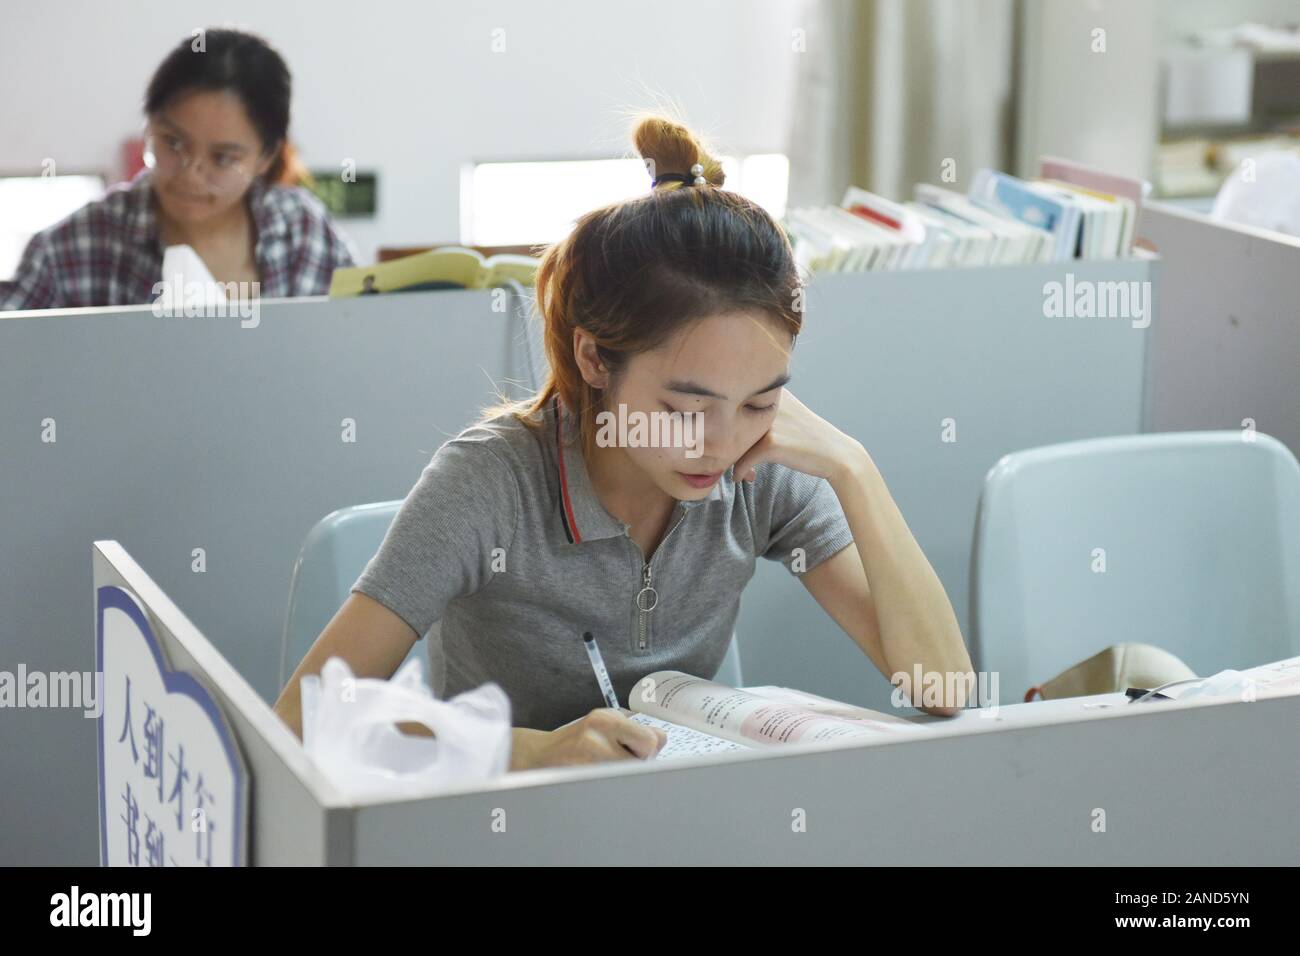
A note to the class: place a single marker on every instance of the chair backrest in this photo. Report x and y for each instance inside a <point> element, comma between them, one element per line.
<point>333,555</point>
<point>1189,541</point>
<point>729,669</point>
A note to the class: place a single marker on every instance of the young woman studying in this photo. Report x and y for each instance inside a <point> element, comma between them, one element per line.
<point>215,149</point>
<point>533,527</point>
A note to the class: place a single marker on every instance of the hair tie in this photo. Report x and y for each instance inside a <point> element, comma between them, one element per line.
<point>696,178</point>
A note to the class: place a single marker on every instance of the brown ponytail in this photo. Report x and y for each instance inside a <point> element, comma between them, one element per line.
<point>288,169</point>
<point>669,148</point>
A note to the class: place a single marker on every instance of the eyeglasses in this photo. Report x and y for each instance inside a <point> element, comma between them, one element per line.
<point>167,155</point>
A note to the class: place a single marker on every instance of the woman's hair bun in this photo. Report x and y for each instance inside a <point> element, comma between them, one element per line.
<point>669,147</point>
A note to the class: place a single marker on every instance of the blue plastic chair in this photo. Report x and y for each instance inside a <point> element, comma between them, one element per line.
<point>333,555</point>
<point>1189,541</point>
<point>331,559</point>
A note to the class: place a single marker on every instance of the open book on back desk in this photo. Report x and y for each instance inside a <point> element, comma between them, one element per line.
<point>701,716</point>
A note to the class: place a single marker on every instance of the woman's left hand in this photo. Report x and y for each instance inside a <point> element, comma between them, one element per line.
<point>802,440</point>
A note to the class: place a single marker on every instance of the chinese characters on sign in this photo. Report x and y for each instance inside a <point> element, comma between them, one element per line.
<point>173,789</point>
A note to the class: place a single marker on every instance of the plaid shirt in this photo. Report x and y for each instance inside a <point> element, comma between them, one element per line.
<point>107,252</point>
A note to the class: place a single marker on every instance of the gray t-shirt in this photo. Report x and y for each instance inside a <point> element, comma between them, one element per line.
<point>504,541</point>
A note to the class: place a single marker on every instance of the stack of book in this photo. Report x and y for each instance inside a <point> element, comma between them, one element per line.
<point>1070,212</point>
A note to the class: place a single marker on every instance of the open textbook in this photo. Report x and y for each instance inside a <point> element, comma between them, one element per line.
<point>701,716</point>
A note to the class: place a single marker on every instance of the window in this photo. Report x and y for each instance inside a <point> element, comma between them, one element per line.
<point>525,203</point>
<point>29,204</point>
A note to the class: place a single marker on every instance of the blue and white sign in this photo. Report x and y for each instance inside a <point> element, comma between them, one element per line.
<point>173,788</point>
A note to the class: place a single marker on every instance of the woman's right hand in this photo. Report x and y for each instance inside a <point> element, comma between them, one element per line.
<point>604,734</point>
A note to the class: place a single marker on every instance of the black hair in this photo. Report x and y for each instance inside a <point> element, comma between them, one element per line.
<point>240,63</point>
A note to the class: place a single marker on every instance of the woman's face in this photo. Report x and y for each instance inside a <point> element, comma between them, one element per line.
<point>206,153</point>
<point>724,374</point>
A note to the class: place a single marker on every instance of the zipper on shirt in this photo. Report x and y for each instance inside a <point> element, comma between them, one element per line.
<point>647,599</point>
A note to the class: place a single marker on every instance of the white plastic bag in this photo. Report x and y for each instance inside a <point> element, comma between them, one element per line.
<point>1227,683</point>
<point>348,726</point>
<point>186,281</point>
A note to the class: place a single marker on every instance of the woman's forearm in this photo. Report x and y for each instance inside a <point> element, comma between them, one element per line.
<point>289,708</point>
<point>523,741</point>
<point>917,625</point>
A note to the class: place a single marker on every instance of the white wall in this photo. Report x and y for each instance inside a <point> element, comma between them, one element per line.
<point>1175,18</point>
<point>412,90</point>
<point>1103,108</point>
<point>1093,107</point>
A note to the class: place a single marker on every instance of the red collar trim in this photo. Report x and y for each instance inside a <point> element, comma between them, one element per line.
<point>566,504</point>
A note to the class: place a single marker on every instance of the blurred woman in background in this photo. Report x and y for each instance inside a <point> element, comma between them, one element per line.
<point>216,152</point>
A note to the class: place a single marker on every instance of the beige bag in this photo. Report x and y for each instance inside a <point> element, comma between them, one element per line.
<point>1115,669</point>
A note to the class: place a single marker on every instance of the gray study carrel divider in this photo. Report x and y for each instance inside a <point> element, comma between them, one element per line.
<point>1228,346</point>
<point>175,434</point>
<point>183,434</point>
<point>1025,784</point>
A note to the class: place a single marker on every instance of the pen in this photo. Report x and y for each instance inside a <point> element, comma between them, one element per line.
<point>1136,694</point>
<point>598,665</point>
